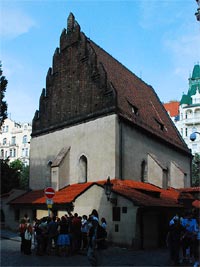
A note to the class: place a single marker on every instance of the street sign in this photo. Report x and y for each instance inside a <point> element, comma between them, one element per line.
<point>49,192</point>
<point>49,201</point>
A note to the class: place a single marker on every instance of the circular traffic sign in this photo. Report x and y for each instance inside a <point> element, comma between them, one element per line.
<point>49,192</point>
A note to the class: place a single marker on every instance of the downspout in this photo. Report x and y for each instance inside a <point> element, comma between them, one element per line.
<point>120,151</point>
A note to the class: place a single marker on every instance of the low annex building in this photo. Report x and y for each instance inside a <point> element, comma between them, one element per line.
<point>98,119</point>
<point>133,208</point>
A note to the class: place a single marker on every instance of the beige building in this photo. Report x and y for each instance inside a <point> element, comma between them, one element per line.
<point>97,119</point>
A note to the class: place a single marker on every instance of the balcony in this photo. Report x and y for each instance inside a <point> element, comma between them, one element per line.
<point>191,121</point>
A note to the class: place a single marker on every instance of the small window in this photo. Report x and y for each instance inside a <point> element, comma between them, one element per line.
<point>24,139</point>
<point>134,109</point>
<point>26,152</point>
<point>160,125</point>
<point>4,141</point>
<point>124,209</point>
<point>116,214</point>
<point>13,140</point>
<point>116,228</point>
<point>82,169</point>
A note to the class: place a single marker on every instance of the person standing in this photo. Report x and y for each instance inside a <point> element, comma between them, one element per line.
<point>174,236</point>
<point>28,238</point>
<point>92,254</point>
<point>190,225</point>
<point>22,229</point>
<point>84,232</point>
<point>52,229</point>
<point>197,244</point>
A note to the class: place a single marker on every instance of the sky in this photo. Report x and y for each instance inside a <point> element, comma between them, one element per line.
<point>158,40</point>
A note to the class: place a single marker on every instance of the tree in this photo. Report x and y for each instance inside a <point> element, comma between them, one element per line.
<point>3,85</point>
<point>23,172</point>
<point>9,177</point>
<point>13,175</point>
<point>196,170</point>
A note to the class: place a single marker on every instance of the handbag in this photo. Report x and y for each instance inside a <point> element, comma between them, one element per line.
<point>27,235</point>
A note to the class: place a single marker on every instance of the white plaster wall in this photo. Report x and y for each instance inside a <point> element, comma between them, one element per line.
<point>155,172</point>
<point>136,147</point>
<point>176,176</point>
<point>95,139</point>
<point>94,198</point>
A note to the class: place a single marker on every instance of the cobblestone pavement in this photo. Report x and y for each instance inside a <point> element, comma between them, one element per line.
<point>113,256</point>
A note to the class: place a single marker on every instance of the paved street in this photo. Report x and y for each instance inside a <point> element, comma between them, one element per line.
<point>113,256</point>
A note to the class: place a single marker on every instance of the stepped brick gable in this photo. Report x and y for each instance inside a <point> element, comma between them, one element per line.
<point>76,87</point>
<point>86,82</point>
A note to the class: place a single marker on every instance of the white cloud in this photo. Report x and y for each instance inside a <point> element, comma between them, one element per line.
<point>185,52</point>
<point>14,22</point>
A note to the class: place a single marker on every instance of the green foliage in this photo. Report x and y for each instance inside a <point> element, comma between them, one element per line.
<point>14,175</point>
<point>9,177</point>
<point>3,85</point>
<point>196,170</point>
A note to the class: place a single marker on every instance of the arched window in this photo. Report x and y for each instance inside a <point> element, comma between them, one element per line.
<point>4,141</point>
<point>82,169</point>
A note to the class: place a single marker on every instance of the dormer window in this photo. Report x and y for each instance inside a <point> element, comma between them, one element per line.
<point>160,125</point>
<point>134,109</point>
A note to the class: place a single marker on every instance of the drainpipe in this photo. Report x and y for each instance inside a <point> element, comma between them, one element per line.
<point>120,150</point>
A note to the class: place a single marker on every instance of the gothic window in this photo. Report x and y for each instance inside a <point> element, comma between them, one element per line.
<point>82,169</point>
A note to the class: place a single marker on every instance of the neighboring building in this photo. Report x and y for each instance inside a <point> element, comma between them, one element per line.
<point>15,141</point>
<point>187,117</point>
<point>173,110</point>
<point>98,119</point>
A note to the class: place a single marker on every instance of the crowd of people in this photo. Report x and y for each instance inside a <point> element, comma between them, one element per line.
<point>183,239</point>
<point>64,236</point>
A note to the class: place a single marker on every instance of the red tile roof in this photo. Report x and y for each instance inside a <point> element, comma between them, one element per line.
<point>196,204</point>
<point>133,92</point>
<point>172,108</point>
<point>142,194</point>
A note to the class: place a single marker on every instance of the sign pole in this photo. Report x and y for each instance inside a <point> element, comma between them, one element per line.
<point>49,193</point>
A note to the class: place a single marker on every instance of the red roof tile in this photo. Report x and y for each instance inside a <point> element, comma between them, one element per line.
<point>140,193</point>
<point>172,108</point>
<point>196,204</point>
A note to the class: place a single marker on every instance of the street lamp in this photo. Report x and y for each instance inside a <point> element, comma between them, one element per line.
<point>193,136</point>
<point>108,190</point>
<point>197,14</point>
